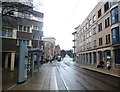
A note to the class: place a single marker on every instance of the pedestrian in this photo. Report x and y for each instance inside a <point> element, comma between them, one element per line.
<point>101,63</point>
<point>42,59</point>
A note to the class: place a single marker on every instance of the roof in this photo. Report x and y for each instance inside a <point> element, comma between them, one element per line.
<point>37,14</point>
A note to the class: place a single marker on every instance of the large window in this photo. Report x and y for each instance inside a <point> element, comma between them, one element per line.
<point>24,28</point>
<point>99,13</point>
<point>90,22</point>
<point>114,15</point>
<point>106,6</point>
<point>87,25</point>
<point>99,27</point>
<point>107,22</point>
<point>23,15</point>
<point>7,32</point>
<point>83,37</point>
<point>94,43</point>
<point>88,34</point>
<point>115,35</point>
<point>100,41</point>
<point>94,30</point>
<point>108,39</point>
<point>88,45</point>
<point>19,41</point>
<point>94,18</point>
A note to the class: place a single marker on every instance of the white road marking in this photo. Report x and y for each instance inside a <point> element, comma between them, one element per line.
<point>53,83</point>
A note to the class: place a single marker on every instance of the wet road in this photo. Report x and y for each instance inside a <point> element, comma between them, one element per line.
<point>68,77</point>
<point>73,77</point>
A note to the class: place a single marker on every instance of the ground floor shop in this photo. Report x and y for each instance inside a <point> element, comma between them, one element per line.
<point>95,56</point>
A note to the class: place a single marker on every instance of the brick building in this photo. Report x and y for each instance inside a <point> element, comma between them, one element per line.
<point>99,35</point>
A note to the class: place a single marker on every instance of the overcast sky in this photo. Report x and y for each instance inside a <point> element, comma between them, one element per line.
<point>62,16</point>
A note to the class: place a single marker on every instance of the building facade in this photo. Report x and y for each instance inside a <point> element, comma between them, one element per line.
<point>49,43</point>
<point>74,42</point>
<point>57,51</point>
<point>20,24</point>
<point>98,37</point>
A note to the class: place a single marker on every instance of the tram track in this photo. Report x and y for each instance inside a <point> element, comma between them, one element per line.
<point>88,75</point>
<point>65,85</point>
<point>108,79</point>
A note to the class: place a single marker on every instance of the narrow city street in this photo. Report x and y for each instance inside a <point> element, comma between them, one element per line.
<point>67,76</point>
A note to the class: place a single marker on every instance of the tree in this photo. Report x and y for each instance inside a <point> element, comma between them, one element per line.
<point>8,8</point>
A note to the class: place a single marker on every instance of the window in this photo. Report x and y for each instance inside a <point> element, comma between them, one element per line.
<point>26,15</point>
<point>100,41</point>
<point>108,39</point>
<point>94,30</point>
<point>114,15</point>
<point>99,27</point>
<point>84,28</point>
<point>88,45</point>
<point>28,29</point>
<point>84,47</point>
<point>106,6</point>
<point>107,22</point>
<point>36,27</point>
<point>83,37</point>
<point>90,22</point>
<point>94,43</point>
<point>20,28</point>
<point>20,14</point>
<point>112,2</point>
<point>115,35</point>
<point>23,15</point>
<point>88,34</point>
<point>99,13</point>
<point>7,32</point>
<point>80,38</point>
<point>87,25</point>
<point>19,41</point>
<point>24,28</point>
<point>94,18</point>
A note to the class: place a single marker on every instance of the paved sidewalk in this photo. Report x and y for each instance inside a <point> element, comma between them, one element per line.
<point>42,80</point>
<point>113,72</point>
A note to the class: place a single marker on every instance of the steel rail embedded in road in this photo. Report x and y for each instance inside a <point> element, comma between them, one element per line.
<point>65,85</point>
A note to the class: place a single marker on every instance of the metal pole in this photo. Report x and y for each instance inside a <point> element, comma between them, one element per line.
<point>32,65</point>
